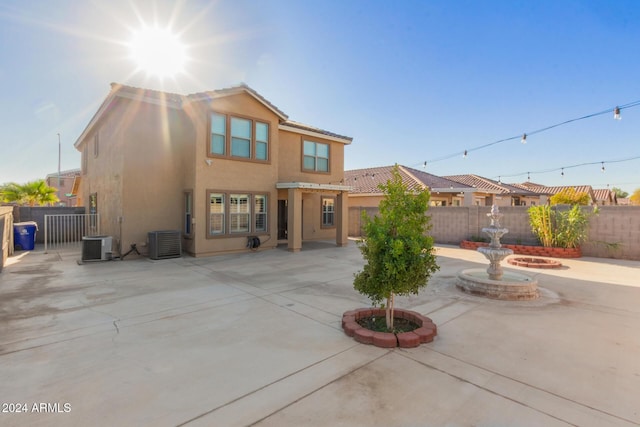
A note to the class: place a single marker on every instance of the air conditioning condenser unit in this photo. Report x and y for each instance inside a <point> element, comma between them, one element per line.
<point>97,248</point>
<point>165,244</point>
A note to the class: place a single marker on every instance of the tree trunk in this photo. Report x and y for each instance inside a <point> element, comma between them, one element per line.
<point>390,311</point>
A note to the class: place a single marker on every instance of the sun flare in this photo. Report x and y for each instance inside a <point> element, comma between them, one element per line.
<point>158,52</point>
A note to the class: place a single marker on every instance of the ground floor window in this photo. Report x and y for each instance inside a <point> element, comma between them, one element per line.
<point>236,213</point>
<point>188,212</point>
<point>328,211</point>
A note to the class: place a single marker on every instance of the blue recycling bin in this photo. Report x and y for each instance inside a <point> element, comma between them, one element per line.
<point>24,235</point>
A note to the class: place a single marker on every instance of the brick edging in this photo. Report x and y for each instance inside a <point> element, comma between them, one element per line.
<point>529,250</point>
<point>425,333</point>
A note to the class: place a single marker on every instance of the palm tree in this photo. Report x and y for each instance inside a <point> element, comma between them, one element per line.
<point>32,193</point>
<point>11,193</point>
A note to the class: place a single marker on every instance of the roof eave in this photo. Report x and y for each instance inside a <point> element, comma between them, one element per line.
<point>343,140</point>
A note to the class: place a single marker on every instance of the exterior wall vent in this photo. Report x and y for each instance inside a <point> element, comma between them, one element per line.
<point>97,248</point>
<point>165,244</point>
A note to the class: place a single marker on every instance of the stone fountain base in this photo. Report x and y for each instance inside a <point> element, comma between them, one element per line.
<point>512,287</point>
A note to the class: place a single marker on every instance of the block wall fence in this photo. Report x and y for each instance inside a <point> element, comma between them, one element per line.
<point>613,233</point>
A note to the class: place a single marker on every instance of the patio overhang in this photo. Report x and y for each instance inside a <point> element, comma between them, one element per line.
<point>312,186</point>
<point>294,210</point>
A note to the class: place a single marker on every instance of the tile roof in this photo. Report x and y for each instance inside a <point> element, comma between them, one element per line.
<point>174,100</point>
<point>555,190</point>
<point>604,194</point>
<point>302,126</point>
<point>486,184</point>
<point>65,173</point>
<point>232,90</point>
<point>366,181</point>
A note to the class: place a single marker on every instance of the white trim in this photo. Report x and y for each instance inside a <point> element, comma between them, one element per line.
<point>314,134</point>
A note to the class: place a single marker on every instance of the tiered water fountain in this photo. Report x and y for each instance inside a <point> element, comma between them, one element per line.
<point>494,282</point>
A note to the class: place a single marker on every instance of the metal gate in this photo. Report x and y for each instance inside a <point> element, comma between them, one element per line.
<point>67,231</point>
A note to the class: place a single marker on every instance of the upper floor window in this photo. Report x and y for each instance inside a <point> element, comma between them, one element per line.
<point>218,134</point>
<point>96,144</point>
<point>315,156</point>
<point>238,137</point>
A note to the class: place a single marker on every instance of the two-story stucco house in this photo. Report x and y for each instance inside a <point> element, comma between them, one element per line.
<point>221,166</point>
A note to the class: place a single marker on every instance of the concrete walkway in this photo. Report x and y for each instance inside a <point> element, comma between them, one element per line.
<point>255,339</point>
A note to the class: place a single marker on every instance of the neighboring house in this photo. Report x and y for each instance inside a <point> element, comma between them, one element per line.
<point>366,192</point>
<point>222,166</point>
<point>605,197</point>
<point>64,183</point>
<point>546,192</point>
<point>489,192</point>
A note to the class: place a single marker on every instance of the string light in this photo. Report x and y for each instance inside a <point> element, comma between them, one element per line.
<point>499,180</point>
<point>561,169</point>
<point>464,156</point>
<point>425,165</point>
<point>524,138</point>
<point>528,177</point>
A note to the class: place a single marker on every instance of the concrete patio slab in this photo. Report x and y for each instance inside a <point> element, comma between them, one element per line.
<point>255,339</point>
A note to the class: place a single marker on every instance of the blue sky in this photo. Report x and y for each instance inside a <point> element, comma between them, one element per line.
<point>410,81</point>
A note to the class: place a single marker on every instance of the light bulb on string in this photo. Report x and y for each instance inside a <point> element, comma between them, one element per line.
<point>499,180</point>
<point>528,177</point>
<point>562,173</point>
<point>424,165</point>
<point>602,168</point>
<point>464,155</point>
<point>524,138</point>
<point>616,113</point>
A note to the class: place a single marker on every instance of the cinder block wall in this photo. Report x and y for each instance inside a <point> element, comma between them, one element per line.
<point>37,213</point>
<point>613,233</point>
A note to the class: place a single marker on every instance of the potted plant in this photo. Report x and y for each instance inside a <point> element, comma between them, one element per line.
<point>399,253</point>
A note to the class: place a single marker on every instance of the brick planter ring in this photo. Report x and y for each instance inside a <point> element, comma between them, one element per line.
<point>534,262</point>
<point>529,250</point>
<point>425,332</point>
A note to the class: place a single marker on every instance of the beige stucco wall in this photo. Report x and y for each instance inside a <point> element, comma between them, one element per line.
<point>150,155</point>
<point>613,233</point>
<point>102,174</point>
<point>290,169</point>
<point>231,174</point>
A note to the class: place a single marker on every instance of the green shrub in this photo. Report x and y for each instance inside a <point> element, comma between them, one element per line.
<point>557,227</point>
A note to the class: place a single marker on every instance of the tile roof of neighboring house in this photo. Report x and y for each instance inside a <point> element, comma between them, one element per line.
<point>66,173</point>
<point>177,101</point>
<point>555,190</point>
<point>488,185</point>
<point>366,181</point>
<point>604,194</point>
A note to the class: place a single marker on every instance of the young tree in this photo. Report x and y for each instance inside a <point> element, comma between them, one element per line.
<point>398,253</point>
<point>635,197</point>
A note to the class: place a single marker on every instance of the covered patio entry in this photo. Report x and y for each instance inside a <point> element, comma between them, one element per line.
<point>296,219</point>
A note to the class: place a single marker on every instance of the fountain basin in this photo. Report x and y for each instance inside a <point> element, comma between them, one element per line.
<point>512,287</point>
